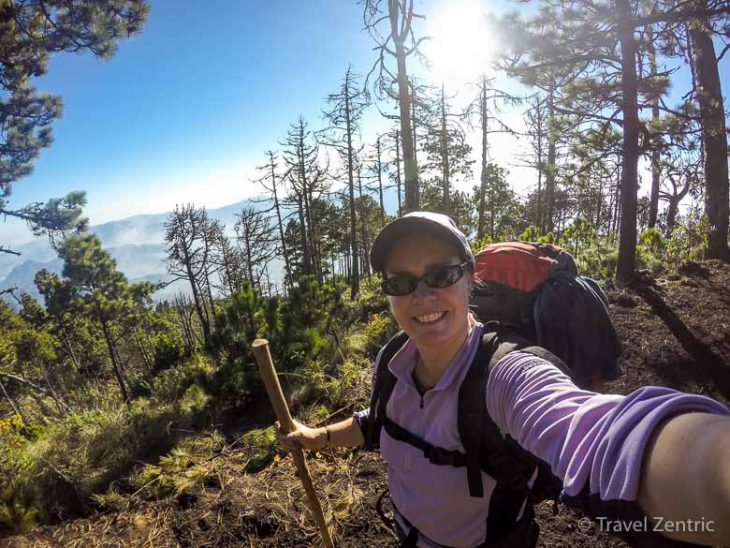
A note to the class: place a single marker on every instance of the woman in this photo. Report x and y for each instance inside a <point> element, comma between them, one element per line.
<point>656,450</point>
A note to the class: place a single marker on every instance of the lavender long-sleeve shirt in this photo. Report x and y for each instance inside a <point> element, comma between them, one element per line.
<point>589,439</point>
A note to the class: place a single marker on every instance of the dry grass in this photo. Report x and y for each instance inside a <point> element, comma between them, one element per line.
<point>264,509</point>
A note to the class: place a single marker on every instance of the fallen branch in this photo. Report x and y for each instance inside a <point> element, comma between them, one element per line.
<point>37,388</point>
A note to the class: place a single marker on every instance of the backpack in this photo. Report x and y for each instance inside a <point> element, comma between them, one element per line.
<point>535,290</point>
<point>485,449</point>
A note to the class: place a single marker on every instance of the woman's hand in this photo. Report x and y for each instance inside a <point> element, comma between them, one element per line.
<point>302,437</point>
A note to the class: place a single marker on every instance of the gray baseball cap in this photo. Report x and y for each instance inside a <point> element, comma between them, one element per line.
<point>418,221</point>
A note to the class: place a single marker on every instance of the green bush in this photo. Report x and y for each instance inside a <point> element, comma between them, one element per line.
<point>19,510</point>
<point>169,349</point>
<point>183,469</point>
<point>688,241</point>
<point>651,251</point>
<point>171,383</point>
<point>379,328</point>
<point>599,259</point>
<point>53,476</point>
<point>261,446</point>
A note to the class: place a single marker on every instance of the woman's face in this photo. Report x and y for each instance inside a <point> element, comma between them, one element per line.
<point>431,317</point>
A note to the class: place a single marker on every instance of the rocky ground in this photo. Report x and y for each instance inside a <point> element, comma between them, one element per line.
<point>268,508</point>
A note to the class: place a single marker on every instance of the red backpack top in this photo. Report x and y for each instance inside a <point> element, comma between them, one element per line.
<point>521,265</point>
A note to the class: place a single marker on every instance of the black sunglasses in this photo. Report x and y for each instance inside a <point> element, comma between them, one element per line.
<point>438,277</point>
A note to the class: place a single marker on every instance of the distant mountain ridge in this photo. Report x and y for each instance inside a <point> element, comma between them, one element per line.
<point>136,243</point>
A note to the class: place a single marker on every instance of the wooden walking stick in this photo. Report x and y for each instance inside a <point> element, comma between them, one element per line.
<point>273,389</point>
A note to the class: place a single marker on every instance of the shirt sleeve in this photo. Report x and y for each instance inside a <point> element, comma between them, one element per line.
<point>593,442</point>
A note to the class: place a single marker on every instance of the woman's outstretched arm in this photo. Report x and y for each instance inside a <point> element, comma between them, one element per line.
<point>655,453</point>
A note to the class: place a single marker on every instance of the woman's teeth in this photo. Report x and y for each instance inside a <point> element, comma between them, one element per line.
<point>428,318</point>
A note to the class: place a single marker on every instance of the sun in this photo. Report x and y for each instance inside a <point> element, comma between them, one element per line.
<point>460,47</point>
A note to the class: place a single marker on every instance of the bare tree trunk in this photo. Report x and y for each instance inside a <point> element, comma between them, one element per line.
<point>363,234</point>
<point>626,266</point>
<point>380,182</point>
<point>303,235</point>
<point>615,190</point>
<point>599,206</point>
<point>14,406</point>
<point>714,136</point>
<point>445,167</point>
<point>206,271</point>
<point>196,300</point>
<point>484,122</point>
<point>354,251</point>
<point>409,160</point>
<point>551,159</point>
<point>397,172</point>
<point>655,164</point>
<point>67,344</point>
<point>116,366</point>
<point>287,267</point>
<point>540,166</point>
<point>146,360</point>
<point>674,200</point>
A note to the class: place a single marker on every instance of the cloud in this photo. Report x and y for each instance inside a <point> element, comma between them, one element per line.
<point>203,187</point>
<point>14,232</point>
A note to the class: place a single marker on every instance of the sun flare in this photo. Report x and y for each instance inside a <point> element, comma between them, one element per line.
<point>460,46</point>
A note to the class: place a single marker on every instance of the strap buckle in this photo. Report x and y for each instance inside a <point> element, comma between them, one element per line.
<point>439,455</point>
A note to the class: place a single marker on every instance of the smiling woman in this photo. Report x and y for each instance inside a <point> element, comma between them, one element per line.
<point>473,425</point>
<point>460,45</point>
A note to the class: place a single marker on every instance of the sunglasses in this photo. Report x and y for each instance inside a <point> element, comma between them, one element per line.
<point>437,277</point>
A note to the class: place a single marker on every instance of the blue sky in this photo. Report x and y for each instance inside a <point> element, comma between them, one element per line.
<point>185,110</point>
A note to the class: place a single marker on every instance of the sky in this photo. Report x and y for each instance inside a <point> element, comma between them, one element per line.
<point>185,110</point>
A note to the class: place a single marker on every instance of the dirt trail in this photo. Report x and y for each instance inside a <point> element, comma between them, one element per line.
<point>268,509</point>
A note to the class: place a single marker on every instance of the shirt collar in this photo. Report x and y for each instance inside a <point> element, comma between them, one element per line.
<point>404,361</point>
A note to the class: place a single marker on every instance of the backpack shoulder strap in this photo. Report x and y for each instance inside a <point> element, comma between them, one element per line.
<point>484,446</point>
<point>471,411</point>
<point>510,341</point>
<point>383,384</point>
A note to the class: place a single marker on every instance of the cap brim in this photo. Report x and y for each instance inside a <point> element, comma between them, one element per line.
<point>397,229</point>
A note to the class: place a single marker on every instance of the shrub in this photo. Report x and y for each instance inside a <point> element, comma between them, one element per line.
<point>650,251</point>
<point>377,331</point>
<point>261,446</point>
<point>183,469</point>
<point>688,241</point>
<point>19,510</point>
<point>69,461</point>
<point>169,349</point>
<point>171,383</point>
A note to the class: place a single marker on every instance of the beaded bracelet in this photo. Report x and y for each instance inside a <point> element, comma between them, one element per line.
<point>329,440</point>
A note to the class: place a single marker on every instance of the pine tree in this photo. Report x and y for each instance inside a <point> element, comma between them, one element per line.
<point>586,49</point>
<point>256,242</point>
<point>400,42</point>
<point>191,239</point>
<point>347,107</point>
<point>272,184</point>
<point>30,31</point>
<point>101,293</point>
<point>448,154</point>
